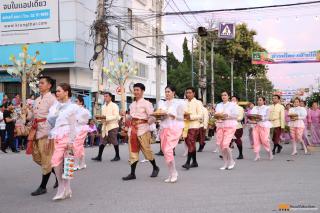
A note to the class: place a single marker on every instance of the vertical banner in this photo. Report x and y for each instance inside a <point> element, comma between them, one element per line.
<point>29,21</point>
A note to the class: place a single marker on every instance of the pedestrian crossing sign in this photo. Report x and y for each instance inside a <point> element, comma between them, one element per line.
<point>227,30</point>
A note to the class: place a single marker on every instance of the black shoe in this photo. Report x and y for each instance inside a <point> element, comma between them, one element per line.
<point>160,153</point>
<point>200,148</point>
<point>155,172</point>
<point>194,165</point>
<point>274,150</point>
<point>220,156</point>
<point>279,149</point>
<point>39,191</point>
<point>186,166</point>
<point>240,157</point>
<point>96,159</point>
<point>129,177</point>
<point>56,184</point>
<point>115,159</point>
<point>16,151</point>
<point>4,151</point>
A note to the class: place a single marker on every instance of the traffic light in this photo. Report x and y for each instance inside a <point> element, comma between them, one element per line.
<point>202,31</point>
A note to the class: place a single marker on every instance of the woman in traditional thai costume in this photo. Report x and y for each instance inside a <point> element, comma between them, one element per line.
<point>171,129</point>
<point>226,115</point>
<point>62,118</point>
<point>297,114</point>
<point>261,129</point>
<point>82,128</point>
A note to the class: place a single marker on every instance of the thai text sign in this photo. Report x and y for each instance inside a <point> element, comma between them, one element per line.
<point>29,21</point>
<point>285,57</point>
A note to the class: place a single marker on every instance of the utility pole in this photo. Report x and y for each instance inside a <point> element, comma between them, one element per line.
<point>204,94</point>
<point>246,87</point>
<point>192,66</point>
<point>158,49</point>
<point>199,71</point>
<point>99,44</point>
<point>232,61</point>
<point>212,71</point>
<point>120,54</point>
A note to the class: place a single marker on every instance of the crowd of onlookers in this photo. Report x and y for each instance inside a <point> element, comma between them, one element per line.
<point>15,124</point>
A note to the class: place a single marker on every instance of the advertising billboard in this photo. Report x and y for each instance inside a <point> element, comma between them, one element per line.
<point>28,21</point>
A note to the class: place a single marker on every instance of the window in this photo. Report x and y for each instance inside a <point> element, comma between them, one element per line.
<point>142,69</point>
<point>141,29</point>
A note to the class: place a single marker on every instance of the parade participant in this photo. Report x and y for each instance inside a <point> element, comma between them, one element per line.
<point>261,130</point>
<point>38,143</point>
<point>83,117</point>
<point>314,123</point>
<point>305,137</point>
<point>276,116</point>
<point>171,129</point>
<point>139,131</point>
<point>203,127</point>
<point>63,119</point>
<point>193,115</point>
<point>250,127</point>
<point>226,127</point>
<point>285,135</point>
<point>239,132</point>
<point>297,115</point>
<point>110,127</point>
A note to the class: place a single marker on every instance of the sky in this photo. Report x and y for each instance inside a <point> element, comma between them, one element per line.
<point>278,30</point>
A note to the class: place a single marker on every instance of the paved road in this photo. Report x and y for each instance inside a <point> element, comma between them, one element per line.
<point>250,187</point>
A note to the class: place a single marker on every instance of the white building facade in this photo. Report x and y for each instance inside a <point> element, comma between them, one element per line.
<point>68,57</point>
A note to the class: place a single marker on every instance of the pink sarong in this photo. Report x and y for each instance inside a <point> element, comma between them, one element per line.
<point>60,146</point>
<point>224,136</point>
<point>78,145</point>
<point>169,140</point>
<point>261,137</point>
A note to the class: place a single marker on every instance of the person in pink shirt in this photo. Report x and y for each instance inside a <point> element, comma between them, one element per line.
<point>139,132</point>
<point>314,123</point>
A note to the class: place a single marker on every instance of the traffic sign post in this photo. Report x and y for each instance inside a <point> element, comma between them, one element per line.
<point>227,30</point>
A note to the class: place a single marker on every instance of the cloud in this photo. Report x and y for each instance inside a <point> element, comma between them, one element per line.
<point>274,45</point>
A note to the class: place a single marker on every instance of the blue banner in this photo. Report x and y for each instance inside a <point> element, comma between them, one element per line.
<point>25,16</point>
<point>51,52</point>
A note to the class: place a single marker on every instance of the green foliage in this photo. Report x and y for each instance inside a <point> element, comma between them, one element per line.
<point>240,49</point>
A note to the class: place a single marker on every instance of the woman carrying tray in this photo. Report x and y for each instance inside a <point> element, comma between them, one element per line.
<point>261,130</point>
<point>171,127</point>
<point>226,115</point>
<point>297,114</point>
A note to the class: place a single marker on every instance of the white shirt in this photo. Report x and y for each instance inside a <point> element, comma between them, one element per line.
<point>62,118</point>
<point>302,114</point>
<point>264,112</point>
<point>2,123</point>
<point>231,109</point>
<point>174,108</point>
<point>83,117</point>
